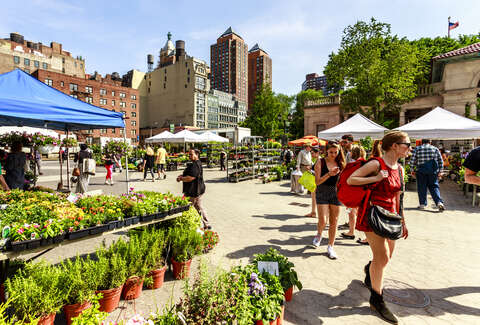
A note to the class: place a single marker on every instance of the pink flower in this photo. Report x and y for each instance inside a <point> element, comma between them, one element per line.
<point>20,231</point>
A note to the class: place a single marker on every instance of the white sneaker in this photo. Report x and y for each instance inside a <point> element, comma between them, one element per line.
<point>440,206</point>
<point>317,240</point>
<point>421,207</point>
<point>331,253</point>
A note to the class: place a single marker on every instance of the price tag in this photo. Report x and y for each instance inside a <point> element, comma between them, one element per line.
<point>3,206</point>
<point>5,232</point>
<point>72,198</point>
<point>269,267</point>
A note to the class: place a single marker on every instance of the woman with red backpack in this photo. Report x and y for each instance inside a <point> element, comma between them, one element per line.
<point>384,200</point>
<point>326,175</point>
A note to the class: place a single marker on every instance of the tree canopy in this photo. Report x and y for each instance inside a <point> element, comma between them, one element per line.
<point>297,124</point>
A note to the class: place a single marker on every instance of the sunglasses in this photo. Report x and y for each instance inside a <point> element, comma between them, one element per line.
<point>332,142</point>
<point>408,144</point>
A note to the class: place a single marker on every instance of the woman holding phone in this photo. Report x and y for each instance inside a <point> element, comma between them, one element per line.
<point>326,175</point>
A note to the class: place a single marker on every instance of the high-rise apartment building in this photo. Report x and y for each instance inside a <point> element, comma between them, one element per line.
<point>316,82</point>
<point>229,65</point>
<point>224,110</point>
<point>259,72</point>
<point>16,52</point>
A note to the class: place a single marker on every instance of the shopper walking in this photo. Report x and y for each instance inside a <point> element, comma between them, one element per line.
<point>161,161</point>
<point>426,164</point>
<point>109,167</point>
<point>472,167</point>
<point>347,143</point>
<point>223,156</point>
<point>193,184</point>
<point>304,163</point>
<point>15,167</point>
<point>386,194</point>
<point>84,178</point>
<point>326,175</point>
<point>37,156</point>
<point>148,161</point>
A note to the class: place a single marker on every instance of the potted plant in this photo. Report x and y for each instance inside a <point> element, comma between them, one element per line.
<point>76,282</point>
<point>287,275</point>
<point>109,273</point>
<point>35,293</point>
<point>185,243</point>
<point>210,240</point>
<point>156,241</point>
<point>92,315</point>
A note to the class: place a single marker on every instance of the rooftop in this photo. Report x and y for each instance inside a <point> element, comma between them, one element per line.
<point>256,48</point>
<point>230,31</point>
<point>474,48</point>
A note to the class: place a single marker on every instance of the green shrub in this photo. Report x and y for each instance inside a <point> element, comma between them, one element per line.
<point>287,275</point>
<point>185,243</point>
<point>108,271</point>
<point>76,281</point>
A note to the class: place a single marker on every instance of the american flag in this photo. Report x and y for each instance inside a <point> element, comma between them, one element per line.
<point>452,25</point>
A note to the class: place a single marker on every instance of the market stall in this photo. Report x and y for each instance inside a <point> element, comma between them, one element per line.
<point>310,139</point>
<point>161,137</point>
<point>358,126</point>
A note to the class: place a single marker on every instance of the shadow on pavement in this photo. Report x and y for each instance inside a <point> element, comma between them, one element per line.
<point>216,180</point>
<point>281,217</point>
<point>278,193</point>
<point>293,228</point>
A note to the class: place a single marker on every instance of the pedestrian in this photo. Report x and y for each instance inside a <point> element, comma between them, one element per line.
<point>357,153</point>
<point>109,167</point>
<point>15,167</point>
<point>472,167</point>
<point>426,164</point>
<point>388,195</point>
<point>376,149</point>
<point>84,178</point>
<point>160,161</point>
<point>37,156</point>
<point>304,164</point>
<point>326,175</point>
<point>117,162</point>
<point>346,143</point>
<point>194,185</point>
<point>289,156</point>
<point>3,184</point>
<point>223,156</point>
<point>148,161</point>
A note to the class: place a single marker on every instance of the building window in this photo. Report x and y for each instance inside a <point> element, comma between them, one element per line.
<point>73,87</point>
<point>36,64</point>
<point>45,65</point>
<point>74,96</point>
<point>26,62</point>
<point>134,114</point>
<point>62,84</point>
<point>164,86</point>
<point>63,70</point>
<point>121,131</point>
<point>103,91</point>
<point>123,104</point>
<point>134,97</point>
<point>89,100</point>
<point>63,60</point>
<point>113,93</point>
<point>133,105</point>
<point>113,102</point>
<point>133,132</point>
<point>88,89</point>
<point>133,123</point>
<point>49,82</point>
<point>103,101</point>
<point>122,95</point>
<point>113,131</point>
<point>16,60</point>
<point>103,130</point>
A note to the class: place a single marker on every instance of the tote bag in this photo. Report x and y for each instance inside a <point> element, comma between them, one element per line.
<point>308,181</point>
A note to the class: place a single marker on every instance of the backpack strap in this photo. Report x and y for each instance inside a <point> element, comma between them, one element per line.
<point>371,187</point>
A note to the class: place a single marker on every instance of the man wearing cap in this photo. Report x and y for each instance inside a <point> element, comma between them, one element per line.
<point>304,163</point>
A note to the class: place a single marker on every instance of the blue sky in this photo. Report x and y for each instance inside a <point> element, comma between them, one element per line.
<point>298,34</point>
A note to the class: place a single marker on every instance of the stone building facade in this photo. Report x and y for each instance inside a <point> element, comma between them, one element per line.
<point>16,52</point>
<point>455,85</point>
<point>104,92</point>
<point>322,114</point>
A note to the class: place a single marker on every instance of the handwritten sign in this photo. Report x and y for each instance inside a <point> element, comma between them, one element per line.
<point>269,267</point>
<point>72,198</point>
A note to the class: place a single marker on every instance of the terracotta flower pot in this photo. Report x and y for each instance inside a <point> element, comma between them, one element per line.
<point>181,270</point>
<point>72,311</point>
<point>110,300</point>
<point>132,289</point>
<point>289,294</point>
<point>280,318</point>
<point>2,293</point>
<point>272,322</point>
<point>47,319</point>
<point>158,276</point>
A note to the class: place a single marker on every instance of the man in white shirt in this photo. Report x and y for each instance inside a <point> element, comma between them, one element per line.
<point>304,164</point>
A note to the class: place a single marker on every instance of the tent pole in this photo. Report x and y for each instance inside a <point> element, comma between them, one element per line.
<point>61,163</point>
<point>126,159</point>
<point>68,164</point>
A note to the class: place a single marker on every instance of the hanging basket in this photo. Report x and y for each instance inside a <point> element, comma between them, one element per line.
<point>44,150</point>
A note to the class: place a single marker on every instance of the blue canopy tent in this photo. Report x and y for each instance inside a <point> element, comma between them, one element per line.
<point>26,101</point>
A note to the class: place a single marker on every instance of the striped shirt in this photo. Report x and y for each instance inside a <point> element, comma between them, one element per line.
<point>424,153</point>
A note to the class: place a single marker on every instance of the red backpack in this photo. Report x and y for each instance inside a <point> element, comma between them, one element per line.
<point>352,196</point>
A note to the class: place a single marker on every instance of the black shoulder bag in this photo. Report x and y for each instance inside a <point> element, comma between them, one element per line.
<point>200,182</point>
<point>385,223</point>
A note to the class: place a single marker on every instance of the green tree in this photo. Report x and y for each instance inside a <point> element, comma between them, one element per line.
<point>268,112</point>
<point>378,70</point>
<point>296,128</point>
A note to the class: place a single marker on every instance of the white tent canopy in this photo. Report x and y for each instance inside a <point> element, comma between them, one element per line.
<point>161,137</point>
<point>28,130</point>
<point>358,126</point>
<point>184,136</point>
<point>212,137</point>
<point>442,124</point>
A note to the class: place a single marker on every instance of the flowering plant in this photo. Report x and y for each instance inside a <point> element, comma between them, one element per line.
<point>69,142</point>
<point>101,208</point>
<point>210,240</point>
<point>39,139</point>
<point>116,147</point>
<point>8,139</point>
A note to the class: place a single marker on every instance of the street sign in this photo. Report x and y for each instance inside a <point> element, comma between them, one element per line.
<point>172,128</point>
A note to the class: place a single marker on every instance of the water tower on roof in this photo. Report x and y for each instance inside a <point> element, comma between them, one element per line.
<point>150,62</point>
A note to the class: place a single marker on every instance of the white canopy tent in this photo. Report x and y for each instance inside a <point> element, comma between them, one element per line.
<point>212,137</point>
<point>161,137</point>
<point>184,136</point>
<point>442,124</point>
<point>358,126</point>
<point>28,130</point>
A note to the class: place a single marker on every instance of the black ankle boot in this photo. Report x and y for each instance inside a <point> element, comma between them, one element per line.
<point>367,281</point>
<point>377,304</point>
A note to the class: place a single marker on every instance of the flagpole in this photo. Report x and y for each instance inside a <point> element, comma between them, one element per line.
<point>448,33</point>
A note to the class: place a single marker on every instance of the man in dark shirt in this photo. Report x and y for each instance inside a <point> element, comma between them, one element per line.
<point>193,184</point>
<point>472,167</point>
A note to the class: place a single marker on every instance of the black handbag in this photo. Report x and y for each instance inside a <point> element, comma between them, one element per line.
<point>385,223</point>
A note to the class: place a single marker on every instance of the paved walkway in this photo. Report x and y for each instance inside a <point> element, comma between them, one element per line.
<point>441,257</point>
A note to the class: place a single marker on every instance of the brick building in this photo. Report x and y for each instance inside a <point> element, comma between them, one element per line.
<point>228,65</point>
<point>316,82</point>
<point>259,72</point>
<point>104,92</point>
<point>16,52</point>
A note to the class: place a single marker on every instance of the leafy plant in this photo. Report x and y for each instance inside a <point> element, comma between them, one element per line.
<point>108,271</point>
<point>287,275</point>
<point>92,315</point>
<point>185,243</point>
<point>210,240</point>
<point>75,281</point>
<point>133,252</point>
